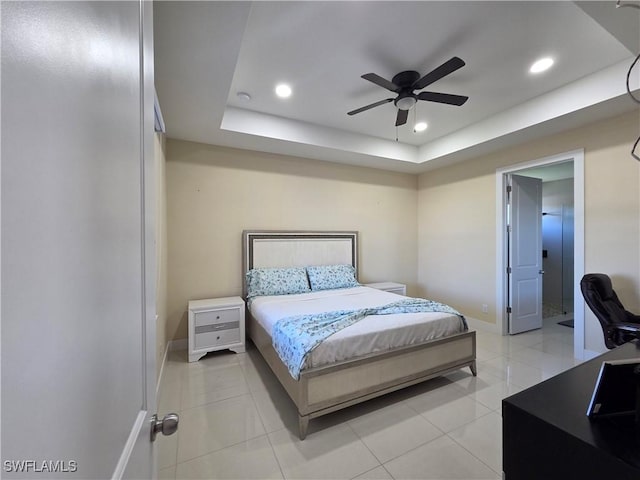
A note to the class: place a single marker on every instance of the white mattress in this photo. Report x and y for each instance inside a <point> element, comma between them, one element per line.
<point>375,333</point>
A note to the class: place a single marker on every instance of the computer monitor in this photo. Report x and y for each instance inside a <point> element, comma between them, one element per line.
<point>616,389</point>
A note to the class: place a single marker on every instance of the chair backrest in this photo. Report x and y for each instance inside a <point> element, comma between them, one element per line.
<point>598,293</point>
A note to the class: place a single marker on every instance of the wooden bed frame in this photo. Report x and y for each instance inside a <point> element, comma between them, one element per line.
<point>329,388</point>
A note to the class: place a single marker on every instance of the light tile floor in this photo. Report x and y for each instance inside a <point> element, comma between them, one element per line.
<point>237,422</point>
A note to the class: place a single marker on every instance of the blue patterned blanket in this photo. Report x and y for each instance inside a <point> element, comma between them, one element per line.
<point>295,337</point>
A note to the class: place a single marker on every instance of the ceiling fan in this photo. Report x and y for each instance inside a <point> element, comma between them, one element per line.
<point>405,83</point>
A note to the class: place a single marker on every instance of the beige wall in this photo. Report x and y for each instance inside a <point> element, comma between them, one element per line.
<point>214,193</point>
<point>436,232</point>
<point>457,219</point>
<point>456,238</point>
<point>161,250</point>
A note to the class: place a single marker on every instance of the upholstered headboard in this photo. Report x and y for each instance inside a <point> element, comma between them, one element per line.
<point>285,248</point>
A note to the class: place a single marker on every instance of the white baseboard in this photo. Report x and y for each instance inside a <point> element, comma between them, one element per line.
<point>164,361</point>
<point>481,325</point>
<point>172,345</point>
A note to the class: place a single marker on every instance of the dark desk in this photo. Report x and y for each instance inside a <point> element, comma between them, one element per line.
<point>546,434</point>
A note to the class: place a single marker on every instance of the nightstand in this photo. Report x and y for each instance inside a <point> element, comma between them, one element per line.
<point>392,287</point>
<point>215,324</point>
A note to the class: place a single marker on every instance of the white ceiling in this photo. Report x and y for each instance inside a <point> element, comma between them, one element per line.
<point>207,52</point>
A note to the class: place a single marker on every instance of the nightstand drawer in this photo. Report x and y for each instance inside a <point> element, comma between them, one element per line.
<point>216,316</point>
<point>398,291</point>
<point>216,338</point>
<point>217,327</point>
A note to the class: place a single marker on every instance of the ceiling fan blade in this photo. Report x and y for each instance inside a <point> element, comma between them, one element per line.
<point>443,70</point>
<point>447,98</point>
<point>401,119</point>
<point>381,82</point>
<point>362,109</point>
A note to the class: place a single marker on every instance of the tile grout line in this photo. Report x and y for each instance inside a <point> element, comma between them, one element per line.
<point>275,455</point>
<point>211,403</point>
<point>469,451</point>
<point>218,450</point>
<point>365,446</point>
<point>264,426</point>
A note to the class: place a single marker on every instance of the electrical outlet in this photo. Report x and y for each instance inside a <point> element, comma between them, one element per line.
<point>485,308</point>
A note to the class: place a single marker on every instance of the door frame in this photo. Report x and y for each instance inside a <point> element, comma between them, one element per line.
<point>139,455</point>
<point>577,156</point>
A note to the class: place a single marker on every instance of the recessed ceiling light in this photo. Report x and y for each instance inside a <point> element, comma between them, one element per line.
<point>541,65</point>
<point>244,96</point>
<point>420,127</point>
<point>283,90</point>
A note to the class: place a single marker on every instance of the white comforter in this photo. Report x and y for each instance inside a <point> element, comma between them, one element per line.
<point>374,333</point>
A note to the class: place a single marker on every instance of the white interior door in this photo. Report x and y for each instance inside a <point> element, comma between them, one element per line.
<point>138,456</point>
<point>78,328</point>
<point>525,254</point>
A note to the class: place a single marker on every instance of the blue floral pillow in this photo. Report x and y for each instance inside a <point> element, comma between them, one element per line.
<point>276,281</point>
<point>327,277</point>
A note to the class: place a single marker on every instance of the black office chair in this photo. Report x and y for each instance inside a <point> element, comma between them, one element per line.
<point>618,325</point>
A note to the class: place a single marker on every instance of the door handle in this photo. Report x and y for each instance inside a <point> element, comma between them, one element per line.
<point>541,272</point>
<point>167,426</point>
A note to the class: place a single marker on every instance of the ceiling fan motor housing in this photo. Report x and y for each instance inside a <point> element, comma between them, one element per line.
<point>405,79</point>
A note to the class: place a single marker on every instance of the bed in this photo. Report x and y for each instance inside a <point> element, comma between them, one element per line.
<point>359,362</point>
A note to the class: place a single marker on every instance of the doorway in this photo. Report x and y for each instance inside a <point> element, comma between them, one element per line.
<point>557,240</point>
<point>557,248</point>
<point>563,240</point>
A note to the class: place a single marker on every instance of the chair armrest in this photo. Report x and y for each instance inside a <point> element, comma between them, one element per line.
<point>627,327</point>
<point>631,317</point>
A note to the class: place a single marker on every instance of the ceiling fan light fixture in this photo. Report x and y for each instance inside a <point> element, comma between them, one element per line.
<point>405,103</point>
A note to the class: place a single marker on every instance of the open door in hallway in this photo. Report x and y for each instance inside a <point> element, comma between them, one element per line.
<point>525,254</point>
